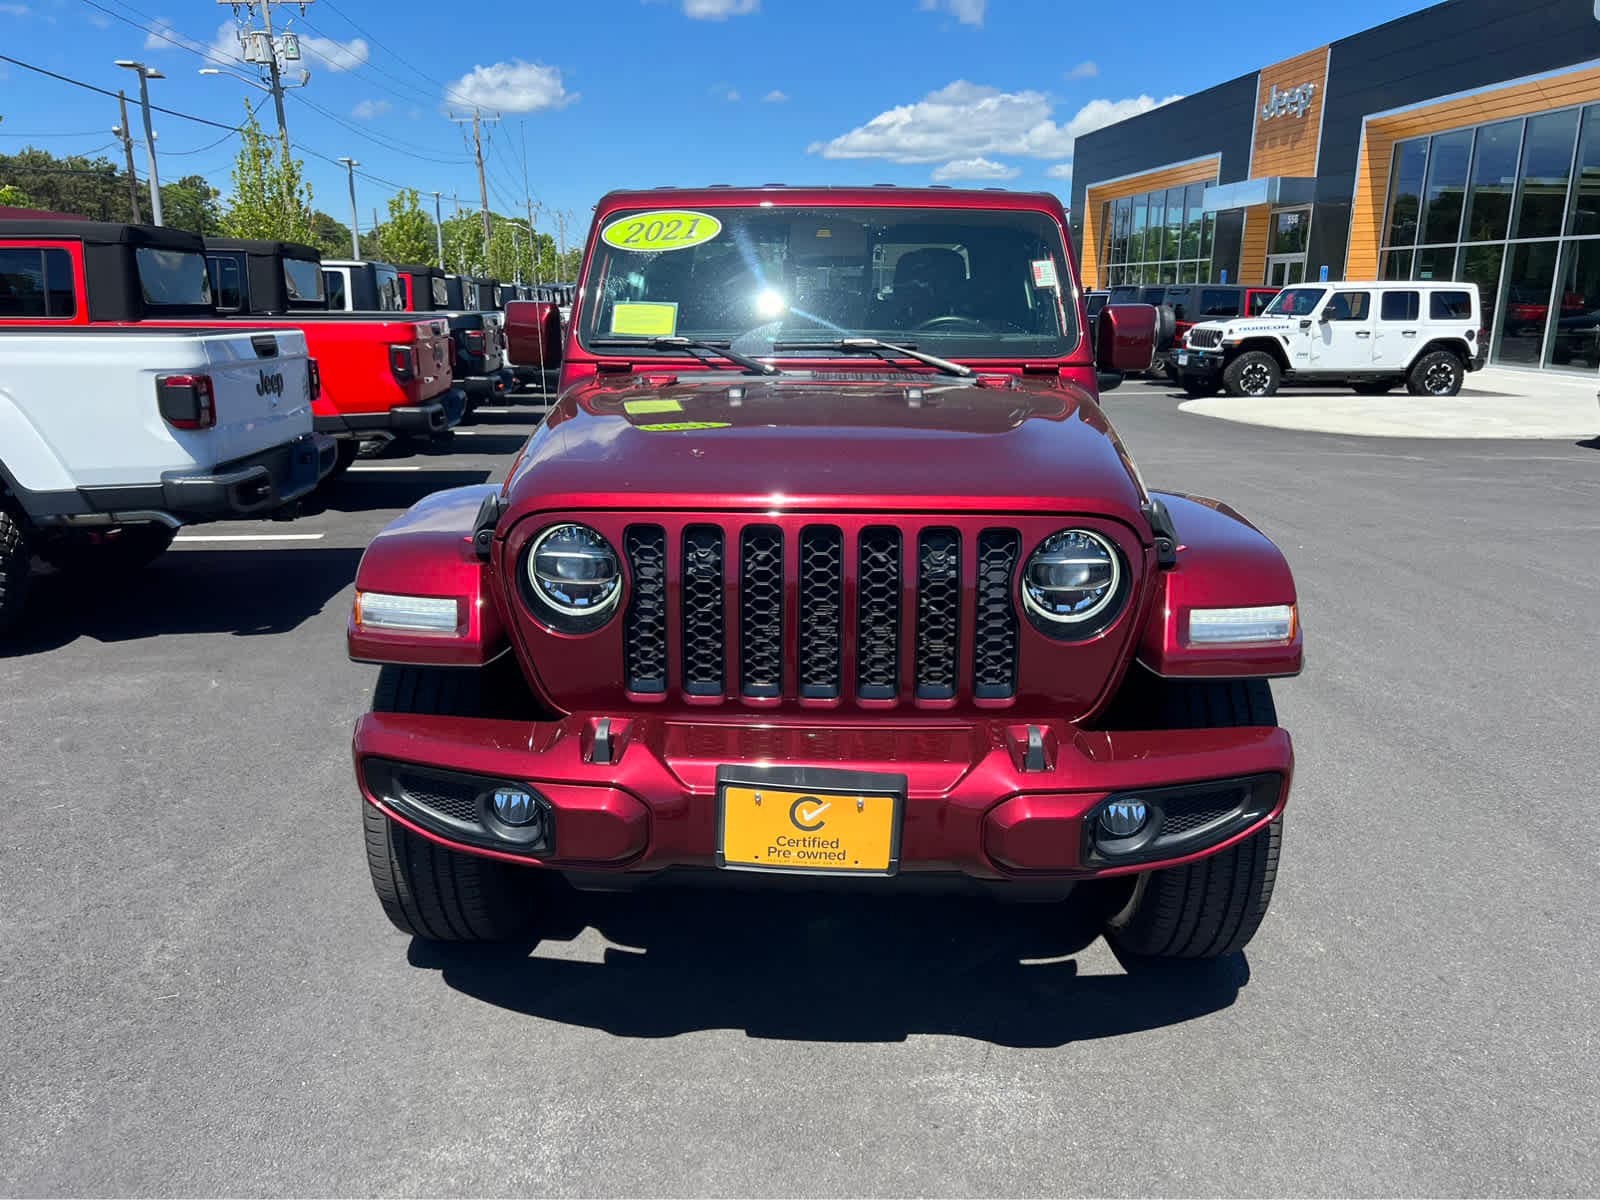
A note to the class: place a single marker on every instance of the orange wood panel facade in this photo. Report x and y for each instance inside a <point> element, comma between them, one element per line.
<point>1094,198</point>
<point>1286,144</point>
<point>1253,245</point>
<point>1381,133</point>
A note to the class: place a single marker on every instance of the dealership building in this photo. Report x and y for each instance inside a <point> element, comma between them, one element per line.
<point>1460,142</point>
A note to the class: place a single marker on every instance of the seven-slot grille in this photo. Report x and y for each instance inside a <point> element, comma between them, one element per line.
<point>750,570</point>
<point>1205,339</point>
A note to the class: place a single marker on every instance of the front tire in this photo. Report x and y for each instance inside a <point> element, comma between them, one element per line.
<point>1211,907</point>
<point>1436,373</point>
<point>1255,373</point>
<point>427,890</point>
<point>15,556</point>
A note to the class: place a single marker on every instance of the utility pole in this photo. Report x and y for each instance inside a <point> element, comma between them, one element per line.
<point>262,50</point>
<point>127,151</point>
<point>145,75</point>
<point>350,166</point>
<point>377,238</point>
<point>438,229</point>
<point>561,223</point>
<point>478,119</point>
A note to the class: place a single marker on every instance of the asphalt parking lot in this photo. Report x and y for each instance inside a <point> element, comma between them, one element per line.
<point>200,994</point>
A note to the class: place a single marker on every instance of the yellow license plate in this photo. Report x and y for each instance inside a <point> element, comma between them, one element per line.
<point>782,829</point>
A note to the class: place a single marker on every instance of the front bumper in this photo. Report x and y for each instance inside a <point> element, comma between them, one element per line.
<point>982,798</point>
<point>1198,364</point>
<point>490,386</point>
<point>244,487</point>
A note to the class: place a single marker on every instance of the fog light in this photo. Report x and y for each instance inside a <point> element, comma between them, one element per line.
<point>515,807</point>
<point>1124,818</point>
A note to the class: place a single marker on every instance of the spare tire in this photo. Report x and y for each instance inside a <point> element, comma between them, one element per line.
<point>1166,326</point>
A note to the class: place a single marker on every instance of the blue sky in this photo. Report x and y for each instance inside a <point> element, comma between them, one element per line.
<point>621,93</point>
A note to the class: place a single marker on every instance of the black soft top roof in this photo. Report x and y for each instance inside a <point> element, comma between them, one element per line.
<point>420,269</point>
<point>259,246</point>
<point>104,233</point>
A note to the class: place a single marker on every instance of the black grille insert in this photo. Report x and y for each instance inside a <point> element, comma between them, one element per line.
<point>821,611</point>
<point>644,625</point>
<point>994,641</point>
<point>452,799</point>
<point>704,648</point>
<point>938,613</point>
<point>761,611</point>
<point>878,614</point>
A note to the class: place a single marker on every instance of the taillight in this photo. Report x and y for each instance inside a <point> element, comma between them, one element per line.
<point>315,373</point>
<point>403,362</point>
<point>475,341</point>
<point>187,401</point>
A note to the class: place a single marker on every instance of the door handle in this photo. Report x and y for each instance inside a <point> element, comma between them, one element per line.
<point>1363,333</point>
<point>1408,333</point>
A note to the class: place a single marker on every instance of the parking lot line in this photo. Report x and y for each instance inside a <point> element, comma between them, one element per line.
<point>251,537</point>
<point>384,467</point>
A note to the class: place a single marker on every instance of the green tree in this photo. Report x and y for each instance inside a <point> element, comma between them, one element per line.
<point>463,244</point>
<point>407,236</point>
<point>84,187</point>
<point>330,236</point>
<point>271,198</point>
<point>191,203</point>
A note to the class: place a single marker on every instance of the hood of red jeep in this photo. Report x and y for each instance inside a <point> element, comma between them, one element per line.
<point>826,440</point>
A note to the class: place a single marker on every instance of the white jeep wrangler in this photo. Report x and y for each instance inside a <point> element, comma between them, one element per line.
<point>1373,336</point>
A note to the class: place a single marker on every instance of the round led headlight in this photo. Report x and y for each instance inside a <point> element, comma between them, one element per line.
<point>574,579</point>
<point>1073,585</point>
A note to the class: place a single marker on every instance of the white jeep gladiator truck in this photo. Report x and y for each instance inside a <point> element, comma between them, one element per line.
<point>163,428</point>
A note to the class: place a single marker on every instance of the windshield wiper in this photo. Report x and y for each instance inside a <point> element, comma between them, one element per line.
<point>719,349</point>
<point>884,350</point>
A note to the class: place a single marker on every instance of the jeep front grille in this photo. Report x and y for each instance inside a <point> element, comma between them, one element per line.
<point>1205,339</point>
<point>925,612</point>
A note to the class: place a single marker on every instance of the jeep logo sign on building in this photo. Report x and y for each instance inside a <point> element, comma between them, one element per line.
<point>1294,102</point>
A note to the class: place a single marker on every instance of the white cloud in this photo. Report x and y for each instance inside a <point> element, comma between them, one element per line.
<point>514,86</point>
<point>968,12</point>
<point>19,10</point>
<point>333,54</point>
<point>369,110</point>
<point>1087,69</point>
<point>775,97</point>
<point>974,168</point>
<point>718,10</point>
<point>967,120</point>
<point>1060,171</point>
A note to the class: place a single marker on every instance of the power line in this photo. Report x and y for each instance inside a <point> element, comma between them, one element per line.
<point>446,88</point>
<point>155,30</point>
<point>171,112</point>
<point>381,142</point>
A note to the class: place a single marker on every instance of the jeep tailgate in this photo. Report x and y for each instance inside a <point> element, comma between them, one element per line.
<point>262,387</point>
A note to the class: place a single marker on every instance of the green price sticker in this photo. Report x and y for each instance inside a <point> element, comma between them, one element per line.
<point>666,229</point>
<point>681,426</point>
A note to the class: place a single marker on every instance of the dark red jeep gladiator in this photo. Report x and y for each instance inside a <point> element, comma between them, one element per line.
<point>479,333</point>
<point>827,564</point>
<point>384,374</point>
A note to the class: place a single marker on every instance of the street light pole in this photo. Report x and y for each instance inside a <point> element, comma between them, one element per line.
<point>145,74</point>
<point>438,228</point>
<point>355,240</point>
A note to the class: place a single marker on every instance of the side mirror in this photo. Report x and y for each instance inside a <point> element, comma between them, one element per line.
<point>1125,337</point>
<point>1323,318</point>
<point>1305,322</point>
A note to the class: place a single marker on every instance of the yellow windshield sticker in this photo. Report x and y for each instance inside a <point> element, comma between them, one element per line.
<point>637,319</point>
<point>665,229</point>
<point>678,426</point>
<point>641,408</point>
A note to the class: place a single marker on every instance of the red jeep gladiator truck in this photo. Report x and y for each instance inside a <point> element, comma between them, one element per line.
<point>826,566</point>
<point>384,374</point>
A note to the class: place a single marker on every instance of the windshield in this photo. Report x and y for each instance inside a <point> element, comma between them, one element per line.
<point>172,278</point>
<point>960,283</point>
<point>391,298</point>
<point>304,280</point>
<point>1295,302</point>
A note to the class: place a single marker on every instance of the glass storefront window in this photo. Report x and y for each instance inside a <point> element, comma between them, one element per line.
<point>1546,166</point>
<point>1396,265</point>
<point>1447,184</point>
<point>1481,265</point>
<point>1189,272</point>
<point>1525,304</point>
<point>1160,237</point>
<point>1405,191</point>
<point>1192,216</point>
<point>1585,214</point>
<point>1436,262</point>
<point>1171,246</point>
<point>1494,176</point>
<point>1157,226</point>
<point>1289,230</point>
<point>1574,343</point>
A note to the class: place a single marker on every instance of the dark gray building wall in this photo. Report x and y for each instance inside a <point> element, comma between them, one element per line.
<point>1452,47</point>
<point>1218,119</point>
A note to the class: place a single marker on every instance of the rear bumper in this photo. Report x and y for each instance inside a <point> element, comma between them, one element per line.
<point>975,803</point>
<point>544,379</point>
<point>490,386</point>
<point>245,487</point>
<point>422,420</point>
